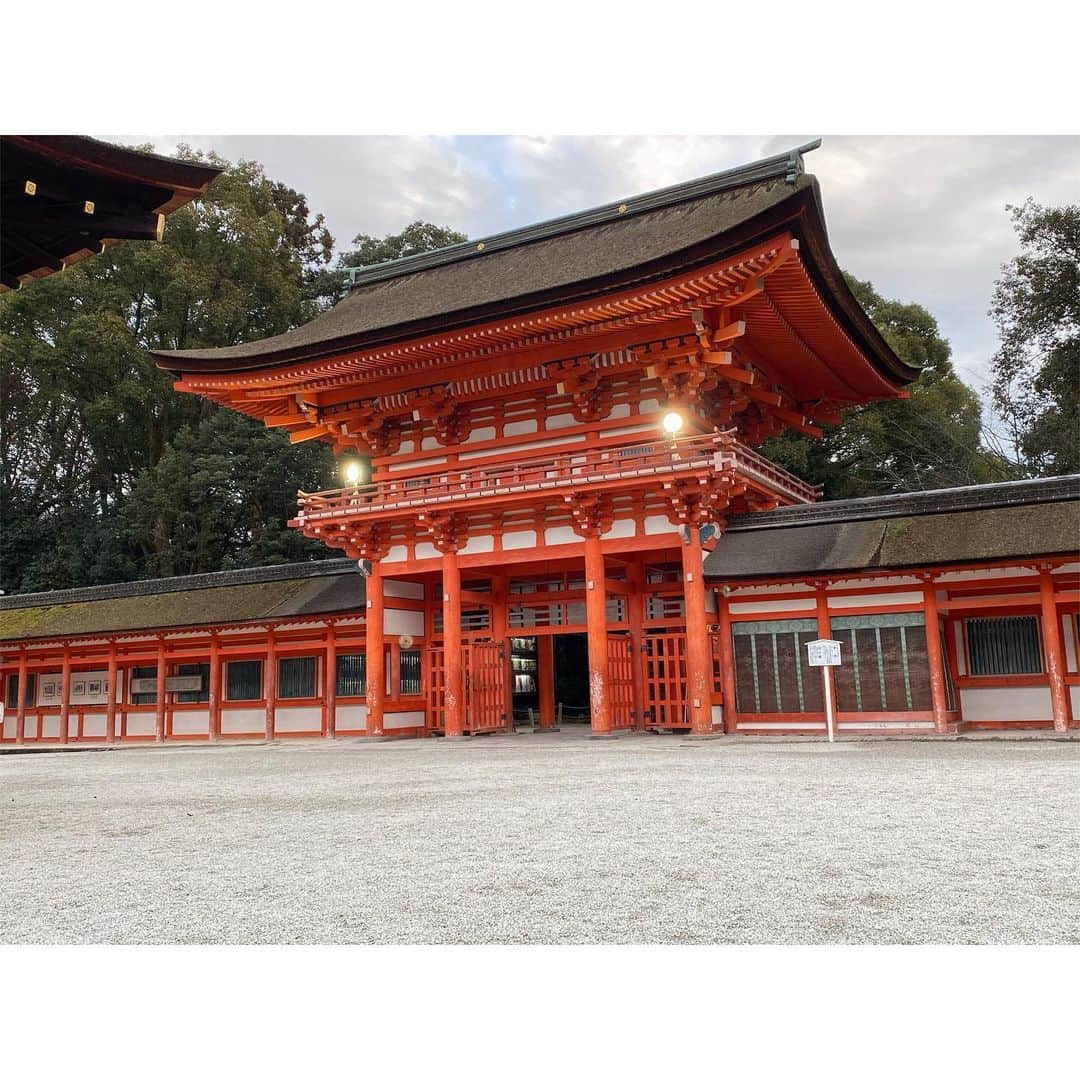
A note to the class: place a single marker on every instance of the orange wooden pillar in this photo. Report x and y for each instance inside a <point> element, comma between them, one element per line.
<point>699,666</point>
<point>214,695</point>
<point>65,695</point>
<point>824,631</point>
<point>159,721</point>
<point>20,712</point>
<point>545,679</point>
<point>329,717</point>
<point>110,709</point>
<point>452,657</point>
<point>935,658</point>
<point>270,684</point>
<point>375,650</point>
<point>596,624</point>
<point>727,665</point>
<point>1055,659</point>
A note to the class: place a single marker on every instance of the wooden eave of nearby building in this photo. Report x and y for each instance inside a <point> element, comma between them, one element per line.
<point>66,197</point>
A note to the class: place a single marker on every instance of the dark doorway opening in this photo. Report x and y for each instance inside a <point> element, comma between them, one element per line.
<point>571,663</point>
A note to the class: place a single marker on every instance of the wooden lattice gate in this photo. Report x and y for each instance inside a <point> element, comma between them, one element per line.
<point>486,684</point>
<point>484,669</point>
<point>621,680</point>
<point>435,673</point>
<point>665,680</point>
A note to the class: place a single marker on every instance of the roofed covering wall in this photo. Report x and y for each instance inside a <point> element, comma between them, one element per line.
<point>1005,532</point>
<point>50,615</point>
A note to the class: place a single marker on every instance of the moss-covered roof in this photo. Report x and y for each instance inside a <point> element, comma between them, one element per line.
<point>962,536</point>
<point>93,611</point>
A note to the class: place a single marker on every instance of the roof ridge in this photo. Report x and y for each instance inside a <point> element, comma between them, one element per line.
<point>904,504</point>
<point>788,165</point>
<point>251,575</point>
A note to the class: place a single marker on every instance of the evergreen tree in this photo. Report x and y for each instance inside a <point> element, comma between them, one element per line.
<point>1036,307</point>
<point>932,439</point>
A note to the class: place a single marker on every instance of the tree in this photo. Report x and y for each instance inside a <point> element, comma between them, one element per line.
<point>1036,306</point>
<point>87,418</point>
<point>413,239</point>
<point>932,439</point>
<point>107,473</point>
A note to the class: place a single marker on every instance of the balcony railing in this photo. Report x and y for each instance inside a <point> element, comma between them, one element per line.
<point>568,470</point>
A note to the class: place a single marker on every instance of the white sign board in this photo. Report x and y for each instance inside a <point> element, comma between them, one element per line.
<point>823,653</point>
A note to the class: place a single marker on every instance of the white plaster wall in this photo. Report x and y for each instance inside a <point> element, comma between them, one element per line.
<point>520,427</point>
<point>620,528</point>
<point>512,541</point>
<point>635,430</point>
<point>876,600</point>
<point>141,723</point>
<point>659,523</point>
<point>398,553</point>
<point>300,718</point>
<point>717,715</point>
<point>30,727</point>
<point>403,622</point>
<point>478,544</point>
<point>8,723</point>
<point>1003,703</point>
<point>883,725</point>
<point>772,725</point>
<point>1074,697</point>
<point>561,420</point>
<point>483,434</point>
<point>620,410</point>
<point>194,722</point>
<point>409,590</point>
<point>243,721</point>
<point>560,534</point>
<point>401,466</point>
<point>403,720</point>
<point>649,405</point>
<point>427,551</point>
<point>95,726</point>
<point>762,606</point>
<point>351,718</point>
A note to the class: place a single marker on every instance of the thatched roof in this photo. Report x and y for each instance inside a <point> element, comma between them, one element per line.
<point>276,592</point>
<point>645,238</point>
<point>958,525</point>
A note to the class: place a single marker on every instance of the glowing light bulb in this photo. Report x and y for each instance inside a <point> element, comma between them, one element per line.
<point>352,472</point>
<point>673,423</point>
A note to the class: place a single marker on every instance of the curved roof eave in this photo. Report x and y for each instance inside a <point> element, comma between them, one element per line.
<point>796,206</point>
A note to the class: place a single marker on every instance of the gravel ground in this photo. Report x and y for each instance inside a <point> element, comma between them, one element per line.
<point>544,838</point>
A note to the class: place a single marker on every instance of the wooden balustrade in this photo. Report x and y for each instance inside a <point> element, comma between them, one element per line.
<point>714,453</point>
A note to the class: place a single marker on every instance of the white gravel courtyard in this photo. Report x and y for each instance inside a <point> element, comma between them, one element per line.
<point>544,838</point>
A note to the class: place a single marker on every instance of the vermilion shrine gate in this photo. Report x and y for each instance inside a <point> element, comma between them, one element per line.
<point>557,420</point>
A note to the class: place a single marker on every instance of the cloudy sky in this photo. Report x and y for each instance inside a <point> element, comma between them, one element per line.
<point>923,218</point>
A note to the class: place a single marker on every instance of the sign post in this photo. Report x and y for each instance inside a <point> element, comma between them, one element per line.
<point>825,653</point>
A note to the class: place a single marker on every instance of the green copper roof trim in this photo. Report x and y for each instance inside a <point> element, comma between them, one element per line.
<point>788,165</point>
